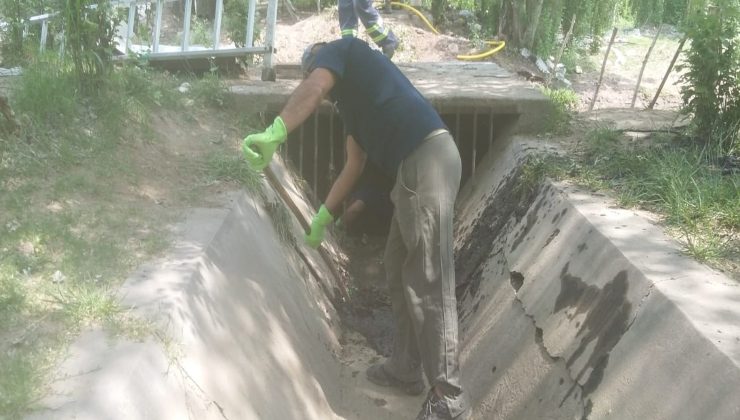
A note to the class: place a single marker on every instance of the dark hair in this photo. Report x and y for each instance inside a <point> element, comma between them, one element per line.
<point>309,56</point>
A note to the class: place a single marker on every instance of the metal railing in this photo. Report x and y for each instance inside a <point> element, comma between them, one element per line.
<point>156,50</point>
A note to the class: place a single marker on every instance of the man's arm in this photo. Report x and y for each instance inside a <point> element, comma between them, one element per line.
<point>307,97</point>
<point>347,178</point>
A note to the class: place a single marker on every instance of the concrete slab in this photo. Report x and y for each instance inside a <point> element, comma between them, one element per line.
<point>458,86</point>
<point>636,329</point>
<point>244,331</point>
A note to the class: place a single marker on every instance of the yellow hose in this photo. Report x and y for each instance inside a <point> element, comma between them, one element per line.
<point>418,13</point>
<point>499,45</point>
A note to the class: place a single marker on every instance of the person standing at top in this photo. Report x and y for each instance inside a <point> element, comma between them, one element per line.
<point>351,10</point>
<point>391,124</point>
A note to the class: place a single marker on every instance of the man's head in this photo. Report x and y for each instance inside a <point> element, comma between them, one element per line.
<point>309,56</point>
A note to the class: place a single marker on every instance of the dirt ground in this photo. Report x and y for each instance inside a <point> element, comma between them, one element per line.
<point>420,44</point>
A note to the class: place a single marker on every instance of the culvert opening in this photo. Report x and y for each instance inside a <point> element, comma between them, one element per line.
<point>316,151</point>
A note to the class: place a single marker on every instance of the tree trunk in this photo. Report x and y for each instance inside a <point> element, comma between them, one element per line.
<point>438,11</point>
<point>534,10</point>
<point>516,32</point>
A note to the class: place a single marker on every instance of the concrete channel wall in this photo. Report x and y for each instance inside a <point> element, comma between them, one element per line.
<point>574,309</point>
<point>241,330</point>
<point>570,308</point>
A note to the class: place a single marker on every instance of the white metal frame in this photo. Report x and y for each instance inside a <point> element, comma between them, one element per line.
<point>186,51</point>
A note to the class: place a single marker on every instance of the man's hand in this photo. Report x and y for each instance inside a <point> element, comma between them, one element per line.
<point>258,148</point>
<point>318,225</point>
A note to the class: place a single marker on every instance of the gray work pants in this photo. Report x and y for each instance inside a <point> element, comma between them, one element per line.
<point>420,269</point>
<point>351,10</point>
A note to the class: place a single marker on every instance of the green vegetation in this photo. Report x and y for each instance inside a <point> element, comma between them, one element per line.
<point>72,224</point>
<point>564,102</point>
<point>712,78</point>
<point>686,184</point>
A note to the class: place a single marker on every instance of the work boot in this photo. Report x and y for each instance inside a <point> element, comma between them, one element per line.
<point>389,48</point>
<point>379,376</point>
<point>436,408</point>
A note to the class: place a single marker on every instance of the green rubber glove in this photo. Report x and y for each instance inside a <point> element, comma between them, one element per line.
<point>258,148</point>
<point>320,221</point>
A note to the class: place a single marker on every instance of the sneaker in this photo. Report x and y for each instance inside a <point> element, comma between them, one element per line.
<point>379,376</point>
<point>389,49</point>
<point>436,408</point>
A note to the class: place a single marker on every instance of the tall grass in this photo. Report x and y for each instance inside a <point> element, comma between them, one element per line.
<point>676,178</point>
<point>564,103</point>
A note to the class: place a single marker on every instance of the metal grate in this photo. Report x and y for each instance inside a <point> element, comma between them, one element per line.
<point>316,150</point>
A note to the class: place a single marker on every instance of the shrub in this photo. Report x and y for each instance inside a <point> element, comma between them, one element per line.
<point>712,74</point>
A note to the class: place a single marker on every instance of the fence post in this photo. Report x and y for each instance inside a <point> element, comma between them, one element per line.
<point>186,24</point>
<point>250,23</point>
<point>667,73</point>
<point>603,67</point>
<point>130,24</point>
<point>217,23</point>
<point>157,26</point>
<point>562,49</point>
<point>644,63</point>
<point>268,71</point>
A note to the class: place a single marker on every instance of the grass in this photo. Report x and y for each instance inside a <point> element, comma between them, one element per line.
<point>673,177</point>
<point>70,228</point>
<point>564,102</point>
<point>19,382</point>
<point>230,167</point>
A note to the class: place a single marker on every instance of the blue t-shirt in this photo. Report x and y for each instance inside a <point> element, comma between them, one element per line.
<point>379,106</point>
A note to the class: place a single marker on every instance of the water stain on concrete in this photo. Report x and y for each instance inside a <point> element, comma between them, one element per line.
<point>552,236</point>
<point>485,236</point>
<point>532,218</point>
<point>558,216</point>
<point>607,315</point>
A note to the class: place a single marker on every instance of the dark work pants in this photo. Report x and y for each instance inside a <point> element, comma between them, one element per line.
<point>351,10</point>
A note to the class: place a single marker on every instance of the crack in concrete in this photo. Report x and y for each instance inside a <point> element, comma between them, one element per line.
<point>638,309</point>
<point>202,395</point>
<point>539,339</point>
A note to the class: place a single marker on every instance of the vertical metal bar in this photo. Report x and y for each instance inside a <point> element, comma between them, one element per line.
<point>130,24</point>
<point>475,142</point>
<point>186,24</point>
<point>490,130</point>
<point>62,45</point>
<point>286,150</point>
<point>44,34</point>
<point>157,26</point>
<point>331,146</point>
<point>344,146</point>
<point>300,153</point>
<point>344,159</point>
<point>270,22</point>
<point>457,126</point>
<point>316,153</point>
<point>250,22</point>
<point>217,23</point>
